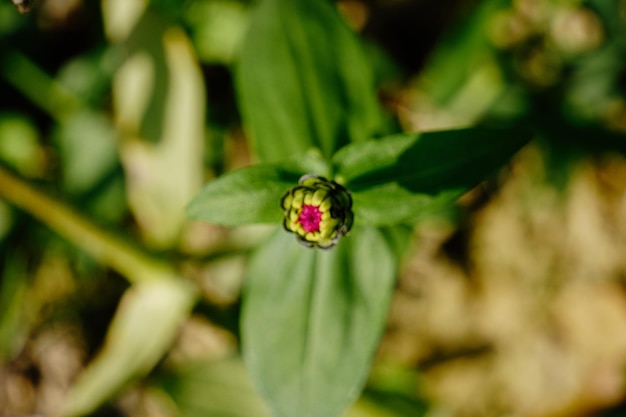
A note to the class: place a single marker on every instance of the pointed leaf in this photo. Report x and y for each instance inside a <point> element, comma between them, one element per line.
<point>402,177</point>
<point>252,194</point>
<point>159,104</point>
<point>141,332</point>
<point>312,320</point>
<point>304,81</point>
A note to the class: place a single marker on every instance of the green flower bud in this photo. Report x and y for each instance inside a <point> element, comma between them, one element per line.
<point>317,211</point>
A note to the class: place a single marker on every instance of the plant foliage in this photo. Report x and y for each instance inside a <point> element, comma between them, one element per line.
<point>312,320</point>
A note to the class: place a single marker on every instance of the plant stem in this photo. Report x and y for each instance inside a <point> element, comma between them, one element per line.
<point>104,247</point>
<point>34,83</point>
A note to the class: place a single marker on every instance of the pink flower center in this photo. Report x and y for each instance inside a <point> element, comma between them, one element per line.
<point>310,218</point>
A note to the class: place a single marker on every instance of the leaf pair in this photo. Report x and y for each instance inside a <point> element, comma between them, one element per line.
<point>392,180</point>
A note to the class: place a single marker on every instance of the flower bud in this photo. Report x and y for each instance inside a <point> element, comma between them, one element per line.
<point>318,211</point>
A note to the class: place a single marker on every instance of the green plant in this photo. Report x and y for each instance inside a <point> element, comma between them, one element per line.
<point>312,319</point>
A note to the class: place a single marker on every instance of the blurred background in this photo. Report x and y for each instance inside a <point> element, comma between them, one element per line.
<point>114,113</point>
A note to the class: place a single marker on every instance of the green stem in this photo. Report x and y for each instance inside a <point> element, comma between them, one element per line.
<point>39,87</point>
<point>105,248</point>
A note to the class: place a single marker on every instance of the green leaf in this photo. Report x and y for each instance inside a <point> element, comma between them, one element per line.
<point>312,320</point>
<point>88,158</point>
<point>143,329</point>
<point>19,145</point>
<point>401,178</point>
<point>468,43</point>
<point>216,388</point>
<point>159,102</point>
<point>252,194</point>
<point>304,81</point>
<point>17,309</point>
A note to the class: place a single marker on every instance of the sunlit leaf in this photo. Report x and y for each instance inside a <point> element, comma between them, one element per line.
<point>218,28</point>
<point>312,320</point>
<point>166,172</point>
<point>141,332</point>
<point>304,81</point>
<point>121,16</point>
<point>252,194</point>
<point>249,195</point>
<point>406,176</point>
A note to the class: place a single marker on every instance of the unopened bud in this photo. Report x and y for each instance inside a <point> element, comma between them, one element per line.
<point>317,211</point>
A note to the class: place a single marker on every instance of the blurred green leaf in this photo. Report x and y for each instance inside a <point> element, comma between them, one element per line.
<point>390,204</point>
<point>164,175</point>
<point>312,320</point>
<point>252,194</point>
<point>108,205</point>
<point>121,16</point>
<point>462,52</point>
<point>304,81</point>
<point>89,76</point>
<point>396,387</point>
<point>9,20</point>
<point>6,219</point>
<point>88,146</point>
<point>594,83</point>
<point>218,28</point>
<point>398,238</point>
<point>143,84</point>
<point>15,320</point>
<point>36,84</point>
<point>147,320</point>
<point>216,388</point>
<point>367,406</point>
<point>406,176</point>
<point>19,145</point>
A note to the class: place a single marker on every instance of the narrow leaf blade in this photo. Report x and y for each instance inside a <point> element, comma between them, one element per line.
<point>312,320</point>
<point>402,177</point>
